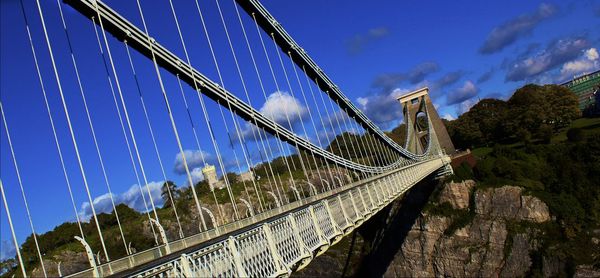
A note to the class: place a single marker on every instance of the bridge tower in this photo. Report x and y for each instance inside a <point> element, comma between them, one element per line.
<point>416,106</point>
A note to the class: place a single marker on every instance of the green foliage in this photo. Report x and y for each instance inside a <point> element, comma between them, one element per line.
<point>463,172</point>
<point>533,112</point>
<point>398,134</point>
<point>460,220</point>
<point>168,190</point>
<point>566,177</point>
<point>575,134</point>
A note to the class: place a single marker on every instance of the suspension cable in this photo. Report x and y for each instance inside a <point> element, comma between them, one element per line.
<point>87,112</point>
<point>71,131</point>
<point>333,130</point>
<point>173,125</point>
<point>162,168</point>
<point>310,116</point>
<point>262,87</point>
<point>20,182</point>
<point>12,231</point>
<point>203,105</point>
<point>278,141</point>
<point>296,102</point>
<point>121,122</point>
<point>309,84</point>
<point>198,143</point>
<point>128,121</point>
<point>235,122</point>
<point>48,110</point>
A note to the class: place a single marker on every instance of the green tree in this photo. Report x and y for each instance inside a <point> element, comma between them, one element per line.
<point>168,190</point>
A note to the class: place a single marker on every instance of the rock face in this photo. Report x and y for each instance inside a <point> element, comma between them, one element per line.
<point>508,202</point>
<point>457,194</point>
<point>482,247</point>
<point>70,262</point>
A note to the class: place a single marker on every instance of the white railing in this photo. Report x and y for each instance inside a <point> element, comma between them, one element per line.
<point>278,241</point>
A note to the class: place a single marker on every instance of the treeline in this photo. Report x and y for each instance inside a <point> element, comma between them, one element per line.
<point>533,112</point>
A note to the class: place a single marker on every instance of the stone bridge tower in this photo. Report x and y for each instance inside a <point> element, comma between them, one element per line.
<point>416,105</point>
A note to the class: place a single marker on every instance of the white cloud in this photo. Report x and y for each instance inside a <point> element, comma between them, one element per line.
<point>554,55</point>
<point>132,198</point>
<point>466,105</point>
<point>587,62</point>
<point>196,175</point>
<point>7,250</point>
<point>280,106</point>
<point>591,54</point>
<point>467,91</point>
<point>384,109</point>
<point>449,117</point>
<point>194,159</point>
<point>275,108</point>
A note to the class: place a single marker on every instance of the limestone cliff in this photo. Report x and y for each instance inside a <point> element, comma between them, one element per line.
<point>463,230</point>
<point>489,232</point>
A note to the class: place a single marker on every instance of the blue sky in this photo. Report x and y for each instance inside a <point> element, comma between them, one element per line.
<point>463,51</point>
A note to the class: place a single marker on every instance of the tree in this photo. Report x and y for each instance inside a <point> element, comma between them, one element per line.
<point>168,190</point>
<point>8,266</point>
<point>532,112</point>
<point>533,106</point>
<point>398,134</point>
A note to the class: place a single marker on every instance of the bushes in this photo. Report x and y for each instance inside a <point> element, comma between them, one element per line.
<point>575,134</point>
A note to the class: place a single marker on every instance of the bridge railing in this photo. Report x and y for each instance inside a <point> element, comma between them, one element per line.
<point>316,223</point>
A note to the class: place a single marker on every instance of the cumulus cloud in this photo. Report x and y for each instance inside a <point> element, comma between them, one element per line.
<point>389,81</point>
<point>196,175</point>
<point>132,198</point>
<point>278,107</point>
<point>358,42</point>
<point>554,55</point>
<point>7,250</point>
<point>512,30</point>
<point>587,62</point>
<point>467,91</point>
<point>194,159</point>
<point>383,108</point>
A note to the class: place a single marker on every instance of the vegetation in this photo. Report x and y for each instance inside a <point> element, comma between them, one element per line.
<point>532,113</point>
<point>534,140</point>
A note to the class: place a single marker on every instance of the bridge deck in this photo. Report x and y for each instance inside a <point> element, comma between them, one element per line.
<point>289,236</point>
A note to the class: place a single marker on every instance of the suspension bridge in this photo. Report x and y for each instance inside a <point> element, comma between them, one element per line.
<point>317,166</point>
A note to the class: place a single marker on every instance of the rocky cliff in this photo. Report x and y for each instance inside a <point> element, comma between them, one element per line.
<point>463,230</point>
<point>467,231</point>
